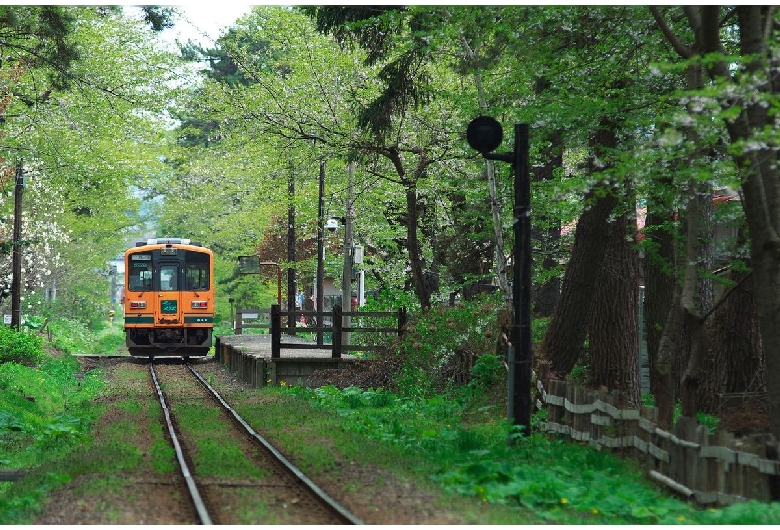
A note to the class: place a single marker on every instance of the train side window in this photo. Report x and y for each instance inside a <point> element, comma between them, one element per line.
<point>196,272</point>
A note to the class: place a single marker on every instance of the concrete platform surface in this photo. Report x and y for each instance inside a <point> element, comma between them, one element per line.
<point>260,346</point>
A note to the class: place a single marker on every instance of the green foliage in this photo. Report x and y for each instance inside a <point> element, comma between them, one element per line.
<point>20,347</point>
<point>109,343</point>
<point>751,512</point>
<point>42,33</point>
<point>579,374</point>
<point>76,337</point>
<point>708,420</point>
<point>539,328</point>
<point>557,480</point>
<point>441,345</point>
<point>487,371</point>
<point>72,336</point>
<point>42,408</point>
<point>390,300</point>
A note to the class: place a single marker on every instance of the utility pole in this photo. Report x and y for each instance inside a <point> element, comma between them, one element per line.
<point>320,303</point>
<point>16,282</point>
<point>291,283</point>
<point>346,280</point>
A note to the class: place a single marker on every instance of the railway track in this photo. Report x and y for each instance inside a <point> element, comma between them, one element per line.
<point>274,483</point>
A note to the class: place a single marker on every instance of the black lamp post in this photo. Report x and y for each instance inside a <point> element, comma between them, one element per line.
<point>484,134</point>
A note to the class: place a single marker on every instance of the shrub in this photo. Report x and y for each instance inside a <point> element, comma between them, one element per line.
<point>20,347</point>
<point>443,344</point>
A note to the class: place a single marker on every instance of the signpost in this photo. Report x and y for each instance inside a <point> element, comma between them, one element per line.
<point>251,265</point>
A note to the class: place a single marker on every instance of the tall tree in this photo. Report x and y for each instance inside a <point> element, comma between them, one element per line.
<point>563,344</point>
<point>613,327</point>
<point>746,89</point>
<point>86,126</point>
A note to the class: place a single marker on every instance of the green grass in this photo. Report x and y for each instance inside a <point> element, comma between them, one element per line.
<point>456,443</point>
<point>555,480</point>
<point>54,436</point>
<point>216,454</point>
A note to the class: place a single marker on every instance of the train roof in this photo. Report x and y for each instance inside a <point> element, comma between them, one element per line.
<point>168,241</point>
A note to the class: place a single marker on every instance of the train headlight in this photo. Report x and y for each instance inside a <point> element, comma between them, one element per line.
<point>199,304</point>
<point>137,304</point>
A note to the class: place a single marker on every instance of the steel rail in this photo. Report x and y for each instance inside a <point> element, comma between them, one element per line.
<point>200,507</point>
<point>316,490</point>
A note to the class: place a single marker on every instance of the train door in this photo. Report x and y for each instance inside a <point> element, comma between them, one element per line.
<point>169,310</point>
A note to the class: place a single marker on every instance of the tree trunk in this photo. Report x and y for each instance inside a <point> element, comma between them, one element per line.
<point>545,238</point>
<point>700,197</point>
<point>614,317</point>
<point>660,278</point>
<point>291,283</point>
<point>759,175</point>
<point>663,375</point>
<point>736,361</point>
<point>565,336</point>
<point>501,266</point>
<point>684,314</point>
<point>740,340</point>
<point>421,287</point>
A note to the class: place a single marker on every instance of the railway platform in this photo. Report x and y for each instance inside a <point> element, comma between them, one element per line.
<point>249,357</point>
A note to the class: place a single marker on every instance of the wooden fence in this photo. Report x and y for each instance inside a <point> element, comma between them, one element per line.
<point>712,469</point>
<point>335,328</point>
<point>251,317</point>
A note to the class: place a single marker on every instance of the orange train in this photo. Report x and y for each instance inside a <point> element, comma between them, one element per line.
<point>169,298</point>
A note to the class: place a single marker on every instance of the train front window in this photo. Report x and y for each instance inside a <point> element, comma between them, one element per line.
<point>196,271</point>
<point>140,272</point>
<point>169,277</point>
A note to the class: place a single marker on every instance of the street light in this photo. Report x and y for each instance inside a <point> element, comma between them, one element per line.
<point>484,134</point>
<point>346,276</point>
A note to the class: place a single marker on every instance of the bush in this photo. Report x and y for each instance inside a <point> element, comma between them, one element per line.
<point>443,344</point>
<point>440,352</point>
<point>20,347</point>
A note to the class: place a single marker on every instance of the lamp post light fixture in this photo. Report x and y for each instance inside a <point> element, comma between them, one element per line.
<point>484,134</point>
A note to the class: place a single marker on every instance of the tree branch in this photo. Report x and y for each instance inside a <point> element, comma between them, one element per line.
<point>683,50</point>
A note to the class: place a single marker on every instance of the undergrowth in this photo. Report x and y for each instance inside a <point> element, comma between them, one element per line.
<point>559,481</point>
<point>443,405</point>
<point>41,411</point>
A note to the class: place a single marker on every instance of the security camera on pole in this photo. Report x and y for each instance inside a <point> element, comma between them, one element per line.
<point>484,134</point>
<point>331,225</point>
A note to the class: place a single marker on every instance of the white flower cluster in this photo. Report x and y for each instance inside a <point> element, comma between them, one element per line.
<point>41,233</point>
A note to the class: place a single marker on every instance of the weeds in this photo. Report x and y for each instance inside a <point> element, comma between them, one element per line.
<point>559,481</point>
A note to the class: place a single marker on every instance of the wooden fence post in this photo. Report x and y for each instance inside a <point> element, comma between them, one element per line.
<point>239,318</point>
<point>337,325</point>
<point>276,331</point>
<point>402,321</point>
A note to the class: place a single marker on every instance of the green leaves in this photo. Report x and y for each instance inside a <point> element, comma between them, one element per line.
<point>20,347</point>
